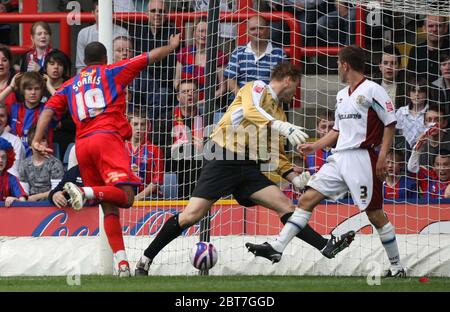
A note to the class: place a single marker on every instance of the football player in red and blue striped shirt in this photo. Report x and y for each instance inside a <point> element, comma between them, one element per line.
<point>96,98</point>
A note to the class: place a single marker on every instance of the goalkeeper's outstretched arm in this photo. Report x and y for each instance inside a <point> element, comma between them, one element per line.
<point>160,53</point>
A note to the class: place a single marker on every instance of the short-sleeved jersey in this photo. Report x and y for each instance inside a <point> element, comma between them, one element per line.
<point>10,186</point>
<point>255,106</point>
<point>361,116</point>
<point>405,188</point>
<point>96,97</point>
<point>147,162</point>
<point>315,161</point>
<point>22,118</point>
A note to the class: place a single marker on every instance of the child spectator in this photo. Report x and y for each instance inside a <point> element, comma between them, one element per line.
<point>122,48</point>
<point>10,188</point>
<point>24,114</point>
<point>435,137</point>
<point>397,185</point>
<point>433,182</point>
<point>39,174</point>
<point>57,71</point>
<point>147,159</point>
<point>34,60</point>
<point>325,122</point>
<point>410,117</point>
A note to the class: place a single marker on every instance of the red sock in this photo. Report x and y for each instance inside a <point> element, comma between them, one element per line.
<point>113,231</point>
<point>111,194</point>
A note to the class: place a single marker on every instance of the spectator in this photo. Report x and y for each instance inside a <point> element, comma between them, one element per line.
<point>19,149</point>
<point>39,174</point>
<point>147,159</point>
<point>227,31</point>
<point>6,74</point>
<point>411,116</point>
<point>397,185</point>
<point>434,138</point>
<point>182,138</point>
<point>424,58</point>
<point>433,182</point>
<point>24,114</point>
<point>35,58</point>
<point>10,189</point>
<point>325,123</point>
<point>441,86</point>
<point>338,27</point>
<point>5,29</point>
<point>122,48</point>
<point>90,34</point>
<point>255,60</point>
<point>57,71</point>
<point>157,79</point>
<point>391,77</point>
<point>191,62</point>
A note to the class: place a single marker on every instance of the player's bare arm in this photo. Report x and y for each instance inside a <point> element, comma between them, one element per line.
<point>329,139</point>
<point>388,138</point>
<point>43,122</point>
<point>160,53</point>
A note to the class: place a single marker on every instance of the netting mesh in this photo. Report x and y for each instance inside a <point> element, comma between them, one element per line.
<point>177,104</point>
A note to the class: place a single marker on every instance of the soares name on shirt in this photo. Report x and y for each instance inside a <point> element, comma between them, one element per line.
<point>87,80</point>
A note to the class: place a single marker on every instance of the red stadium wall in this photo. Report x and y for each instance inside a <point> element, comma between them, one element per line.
<point>228,218</point>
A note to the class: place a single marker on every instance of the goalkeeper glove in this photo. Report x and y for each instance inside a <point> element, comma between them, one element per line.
<point>293,133</point>
<point>301,180</point>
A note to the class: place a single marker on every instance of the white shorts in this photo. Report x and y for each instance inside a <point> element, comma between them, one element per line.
<point>354,171</point>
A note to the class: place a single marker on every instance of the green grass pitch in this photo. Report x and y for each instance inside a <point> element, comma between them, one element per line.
<point>221,284</point>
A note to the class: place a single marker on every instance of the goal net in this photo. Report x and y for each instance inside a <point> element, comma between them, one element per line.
<point>175,104</point>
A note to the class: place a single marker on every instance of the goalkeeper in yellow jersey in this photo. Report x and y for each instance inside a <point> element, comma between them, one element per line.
<point>247,137</point>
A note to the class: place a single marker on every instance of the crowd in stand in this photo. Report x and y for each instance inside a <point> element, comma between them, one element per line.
<point>166,103</point>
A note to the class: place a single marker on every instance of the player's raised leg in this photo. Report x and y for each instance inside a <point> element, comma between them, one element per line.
<point>194,211</point>
<point>296,224</point>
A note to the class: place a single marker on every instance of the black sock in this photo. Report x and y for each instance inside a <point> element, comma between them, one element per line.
<point>170,230</point>
<point>307,234</point>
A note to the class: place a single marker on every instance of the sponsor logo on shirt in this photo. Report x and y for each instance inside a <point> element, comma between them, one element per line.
<point>349,116</point>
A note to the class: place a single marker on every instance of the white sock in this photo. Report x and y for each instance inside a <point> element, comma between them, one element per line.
<point>120,256</point>
<point>293,226</point>
<point>88,192</point>
<point>387,236</point>
<point>145,259</point>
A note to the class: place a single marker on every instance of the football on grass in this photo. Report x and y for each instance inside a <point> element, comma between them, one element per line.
<point>203,255</point>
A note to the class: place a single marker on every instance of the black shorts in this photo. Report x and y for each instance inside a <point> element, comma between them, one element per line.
<point>241,178</point>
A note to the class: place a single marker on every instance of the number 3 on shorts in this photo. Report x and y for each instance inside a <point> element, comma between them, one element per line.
<point>363,192</point>
<point>93,102</point>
